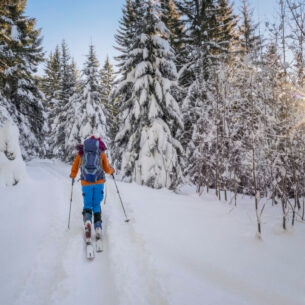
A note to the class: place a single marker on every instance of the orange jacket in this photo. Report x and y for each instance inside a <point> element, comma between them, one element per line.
<point>104,164</point>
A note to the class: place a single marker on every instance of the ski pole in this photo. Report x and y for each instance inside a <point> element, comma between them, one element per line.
<point>126,220</point>
<point>105,195</point>
<point>70,203</point>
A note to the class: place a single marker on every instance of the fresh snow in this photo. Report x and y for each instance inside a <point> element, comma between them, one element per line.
<point>177,249</point>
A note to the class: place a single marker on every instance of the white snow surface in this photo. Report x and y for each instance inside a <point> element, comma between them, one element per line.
<point>177,249</point>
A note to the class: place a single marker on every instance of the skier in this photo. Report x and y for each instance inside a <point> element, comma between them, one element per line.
<point>92,155</point>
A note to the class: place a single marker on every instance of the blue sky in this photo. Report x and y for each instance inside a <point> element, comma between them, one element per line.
<point>82,22</point>
<point>79,22</point>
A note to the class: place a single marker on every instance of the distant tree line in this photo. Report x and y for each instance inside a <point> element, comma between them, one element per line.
<point>199,95</point>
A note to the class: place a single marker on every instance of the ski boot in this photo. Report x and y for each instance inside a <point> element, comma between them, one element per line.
<point>98,230</point>
<point>98,225</point>
<point>87,216</point>
<point>88,230</point>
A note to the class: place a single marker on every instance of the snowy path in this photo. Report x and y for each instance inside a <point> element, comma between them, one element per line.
<point>176,250</point>
<point>54,267</point>
<point>57,271</point>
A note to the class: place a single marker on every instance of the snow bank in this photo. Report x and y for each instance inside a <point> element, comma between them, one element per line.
<point>12,166</point>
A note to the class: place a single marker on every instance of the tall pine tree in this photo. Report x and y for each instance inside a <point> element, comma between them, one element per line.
<point>92,113</point>
<point>250,42</point>
<point>150,117</point>
<point>107,82</point>
<point>21,52</point>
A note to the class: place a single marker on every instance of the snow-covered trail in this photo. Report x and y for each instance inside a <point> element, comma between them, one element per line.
<point>52,268</point>
<point>176,250</point>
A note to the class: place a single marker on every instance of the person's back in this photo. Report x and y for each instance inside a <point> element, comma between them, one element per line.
<point>93,162</point>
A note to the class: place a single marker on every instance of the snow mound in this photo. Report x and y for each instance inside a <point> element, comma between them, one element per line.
<point>12,166</point>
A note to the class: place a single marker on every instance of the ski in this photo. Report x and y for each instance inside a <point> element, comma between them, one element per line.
<point>89,245</point>
<point>90,250</point>
<point>99,245</point>
<point>93,246</point>
<point>98,239</point>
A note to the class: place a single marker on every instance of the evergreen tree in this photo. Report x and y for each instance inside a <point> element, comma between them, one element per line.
<point>21,53</point>
<point>172,19</point>
<point>199,18</point>
<point>225,36</point>
<point>107,82</point>
<point>92,113</point>
<point>71,124</point>
<point>150,117</point>
<point>66,79</point>
<point>51,86</point>
<point>128,27</point>
<point>51,82</point>
<point>212,37</point>
<point>5,55</point>
<point>62,86</point>
<point>249,40</point>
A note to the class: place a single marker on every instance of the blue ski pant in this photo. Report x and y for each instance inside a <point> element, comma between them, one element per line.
<point>93,195</point>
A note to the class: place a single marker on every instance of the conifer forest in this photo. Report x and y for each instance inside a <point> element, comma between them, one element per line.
<point>200,93</point>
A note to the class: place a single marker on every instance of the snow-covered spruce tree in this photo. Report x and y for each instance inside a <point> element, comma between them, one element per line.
<point>4,113</point>
<point>172,19</point>
<point>129,25</point>
<point>145,141</point>
<point>210,26</point>
<point>5,107</point>
<point>21,53</point>
<point>225,30</point>
<point>51,81</point>
<point>5,39</point>
<point>250,41</point>
<point>68,89</point>
<point>211,37</point>
<point>107,83</point>
<point>92,113</point>
<point>197,18</point>
<point>72,116</point>
<point>51,87</point>
<point>107,80</point>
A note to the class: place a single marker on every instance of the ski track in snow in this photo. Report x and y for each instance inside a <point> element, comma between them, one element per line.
<point>134,273</point>
<point>59,272</point>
